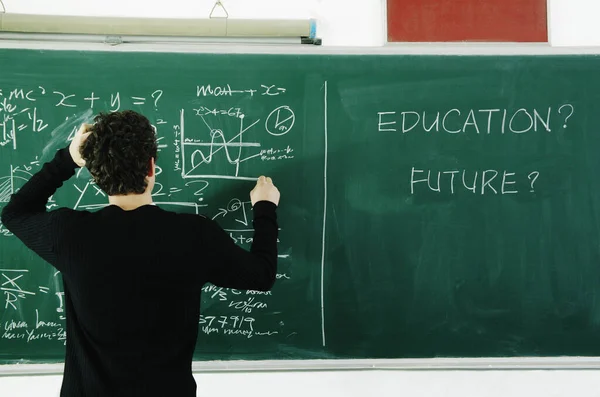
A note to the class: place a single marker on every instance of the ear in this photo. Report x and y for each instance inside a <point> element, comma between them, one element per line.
<point>152,170</point>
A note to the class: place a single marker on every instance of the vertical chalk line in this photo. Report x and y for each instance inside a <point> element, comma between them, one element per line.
<point>324,225</point>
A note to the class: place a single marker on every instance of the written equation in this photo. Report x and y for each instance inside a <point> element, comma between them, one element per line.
<point>208,136</point>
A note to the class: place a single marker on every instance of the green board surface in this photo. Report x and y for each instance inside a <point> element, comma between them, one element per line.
<point>432,206</point>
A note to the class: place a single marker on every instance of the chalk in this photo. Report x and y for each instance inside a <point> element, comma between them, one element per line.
<point>313,28</point>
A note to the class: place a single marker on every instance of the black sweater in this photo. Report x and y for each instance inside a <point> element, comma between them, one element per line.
<point>132,282</point>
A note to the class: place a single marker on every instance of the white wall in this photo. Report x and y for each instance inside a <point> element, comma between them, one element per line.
<point>364,384</point>
<point>574,22</point>
<point>571,22</point>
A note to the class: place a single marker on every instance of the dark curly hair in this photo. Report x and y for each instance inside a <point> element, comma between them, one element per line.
<point>118,151</point>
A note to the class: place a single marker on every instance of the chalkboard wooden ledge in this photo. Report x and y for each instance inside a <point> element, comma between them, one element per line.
<point>431,364</point>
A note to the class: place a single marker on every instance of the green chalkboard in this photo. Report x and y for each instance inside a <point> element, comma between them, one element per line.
<point>432,206</point>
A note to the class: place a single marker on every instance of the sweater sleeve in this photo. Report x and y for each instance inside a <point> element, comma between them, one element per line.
<point>26,216</point>
<point>234,267</point>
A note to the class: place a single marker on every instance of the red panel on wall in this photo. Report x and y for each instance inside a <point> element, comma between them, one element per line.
<point>467,20</point>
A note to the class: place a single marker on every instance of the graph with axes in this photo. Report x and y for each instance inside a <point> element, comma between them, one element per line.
<point>206,144</point>
<point>203,143</point>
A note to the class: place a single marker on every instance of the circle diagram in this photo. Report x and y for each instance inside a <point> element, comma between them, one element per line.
<point>280,121</point>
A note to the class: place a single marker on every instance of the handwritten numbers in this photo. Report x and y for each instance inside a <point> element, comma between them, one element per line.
<point>38,124</point>
<point>223,321</point>
<point>233,136</point>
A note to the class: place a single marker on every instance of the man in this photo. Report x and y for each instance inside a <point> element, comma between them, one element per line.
<point>132,271</point>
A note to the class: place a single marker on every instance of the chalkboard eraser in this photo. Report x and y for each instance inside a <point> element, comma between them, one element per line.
<point>310,40</point>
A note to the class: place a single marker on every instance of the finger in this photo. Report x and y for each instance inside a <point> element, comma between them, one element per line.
<point>269,180</point>
<point>84,128</point>
<point>261,179</point>
<point>84,136</point>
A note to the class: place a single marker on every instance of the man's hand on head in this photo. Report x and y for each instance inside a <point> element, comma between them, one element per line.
<point>75,146</point>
